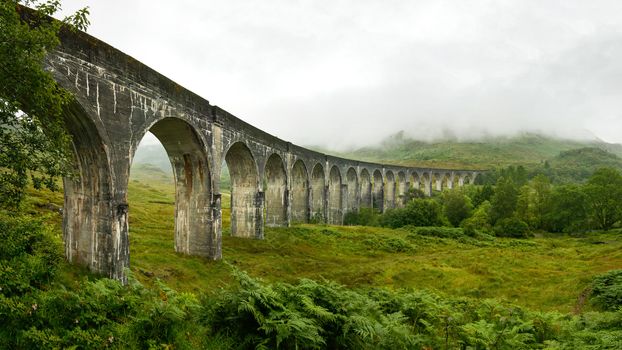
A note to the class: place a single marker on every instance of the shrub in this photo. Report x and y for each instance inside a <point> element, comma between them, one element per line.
<point>607,290</point>
<point>363,217</point>
<point>512,227</point>
<point>479,221</point>
<point>29,255</point>
<point>456,206</point>
<point>418,212</point>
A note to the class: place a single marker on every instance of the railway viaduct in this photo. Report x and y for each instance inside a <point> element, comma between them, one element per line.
<point>274,182</point>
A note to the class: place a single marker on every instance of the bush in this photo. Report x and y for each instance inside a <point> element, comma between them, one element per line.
<point>456,206</point>
<point>363,217</point>
<point>607,290</point>
<point>29,255</point>
<point>512,227</point>
<point>418,212</point>
<point>479,221</point>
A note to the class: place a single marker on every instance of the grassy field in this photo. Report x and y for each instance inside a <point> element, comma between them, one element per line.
<point>542,273</point>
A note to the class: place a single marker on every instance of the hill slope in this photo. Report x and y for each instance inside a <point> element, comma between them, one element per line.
<point>526,149</point>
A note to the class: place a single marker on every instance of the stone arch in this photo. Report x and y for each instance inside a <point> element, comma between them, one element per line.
<point>352,182</point>
<point>318,191</point>
<point>299,192</point>
<point>427,183</point>
<point>438,181</point>
<point>193,191</point>
<point>389,190</point>
<point>415,181</point>
<point>401,189</point>
<point>246,200</point>
<point>275,191</point>
<point>446,181</point>
<point>335,211</point>
<point>377,192</point>
<point>95,225</point>
<point>366,196</point>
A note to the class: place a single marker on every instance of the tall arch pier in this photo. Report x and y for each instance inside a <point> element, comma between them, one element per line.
<point>118,100</point>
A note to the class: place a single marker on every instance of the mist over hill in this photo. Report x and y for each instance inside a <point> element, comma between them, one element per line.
<point>527,149</point>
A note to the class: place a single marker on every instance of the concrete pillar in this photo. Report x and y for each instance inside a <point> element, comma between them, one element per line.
<point>427,183</point>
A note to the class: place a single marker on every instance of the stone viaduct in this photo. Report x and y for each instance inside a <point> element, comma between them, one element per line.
<point>274,182</point>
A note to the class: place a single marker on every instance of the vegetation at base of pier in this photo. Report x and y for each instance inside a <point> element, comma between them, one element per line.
<point>311,286</point>
<point>46,304</point>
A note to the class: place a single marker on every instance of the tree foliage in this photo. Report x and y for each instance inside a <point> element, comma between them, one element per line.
<point>456,206</point>
<point>33,140</point>
<point>604,192</point>
<point>503,202</point>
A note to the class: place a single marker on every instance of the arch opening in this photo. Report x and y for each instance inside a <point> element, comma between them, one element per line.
<point>352,184</point>
<point>318,188</point>
<point>187,156</point>
<point>366,195</point>
<point>377,194</point>
<point>335,212</point>
<point>401,189</point>
<point>246,199</point>
<point>300,192</point>
<point>389,190</point>
<point>276,191</point>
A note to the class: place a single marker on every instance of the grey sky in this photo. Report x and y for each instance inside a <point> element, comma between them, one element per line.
<point>350,72</point>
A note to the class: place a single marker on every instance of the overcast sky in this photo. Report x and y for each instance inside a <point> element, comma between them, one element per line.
<point>345,73</point>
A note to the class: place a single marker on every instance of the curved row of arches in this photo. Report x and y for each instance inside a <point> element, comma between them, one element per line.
<point>317,191</point>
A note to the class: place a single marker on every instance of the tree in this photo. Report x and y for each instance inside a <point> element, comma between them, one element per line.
<point>33,142</point>
<point>456,206</point>
<point>418,212</point>
<point>568,210</point>
<point>503,202</point>
<point>604,194</point>
<point>534,201</point>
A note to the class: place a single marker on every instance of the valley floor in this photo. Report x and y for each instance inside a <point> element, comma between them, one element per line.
<point>541,273</point>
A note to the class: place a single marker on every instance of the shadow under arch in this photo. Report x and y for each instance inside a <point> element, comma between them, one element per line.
<point>335,213</point>
<point>300,192</point>
<point>401,190</point>
<point>352,184</point>
<point>246,200</point>
<point>389,190</point>
<point>365,189</point>
<point>378,191</point>
<point>318,192</point>
<point>276,191</point>
<point>187,154</point>
<point>93,237</point>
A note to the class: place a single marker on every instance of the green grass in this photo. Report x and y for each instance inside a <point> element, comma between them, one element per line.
<point>541,273</point>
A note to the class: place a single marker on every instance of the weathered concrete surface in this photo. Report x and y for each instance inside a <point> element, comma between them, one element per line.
<point>118,100</point>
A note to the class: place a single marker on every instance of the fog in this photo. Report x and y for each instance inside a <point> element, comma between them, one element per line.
<point>345,73</point>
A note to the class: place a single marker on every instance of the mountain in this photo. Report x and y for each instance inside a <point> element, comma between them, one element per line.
<point>527,149</point>
<point>154,155</point>
<point>578,164</point>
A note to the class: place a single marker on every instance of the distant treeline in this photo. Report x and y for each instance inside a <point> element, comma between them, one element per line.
<point>514,206</point>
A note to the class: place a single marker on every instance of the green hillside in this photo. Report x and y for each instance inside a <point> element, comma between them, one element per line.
<point>526,149</point>
<point>578,164</point>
